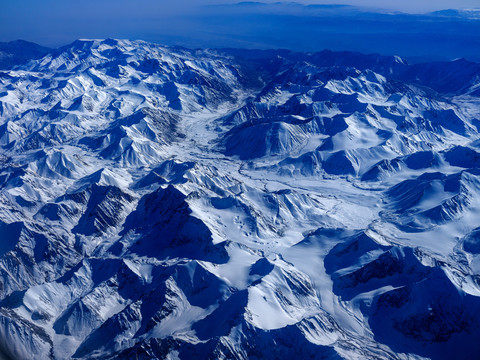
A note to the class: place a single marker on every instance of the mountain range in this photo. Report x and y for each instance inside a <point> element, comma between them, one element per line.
<point>162,202</point>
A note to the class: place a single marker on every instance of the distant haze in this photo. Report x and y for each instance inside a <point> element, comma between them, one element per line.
<point>411,6</point>
<point>366,26</point>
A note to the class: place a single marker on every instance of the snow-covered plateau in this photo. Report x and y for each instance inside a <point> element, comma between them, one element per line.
<point>159,202</point>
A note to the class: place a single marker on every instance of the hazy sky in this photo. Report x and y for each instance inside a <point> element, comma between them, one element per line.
<point>406,5</point>
<point>57,22</point>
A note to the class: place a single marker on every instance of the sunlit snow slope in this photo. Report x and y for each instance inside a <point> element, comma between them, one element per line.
<point>175,204</point>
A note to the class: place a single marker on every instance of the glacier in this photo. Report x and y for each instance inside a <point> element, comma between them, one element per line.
<point>161,202</point>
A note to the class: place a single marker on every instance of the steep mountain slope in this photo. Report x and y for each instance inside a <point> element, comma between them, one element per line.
<point>169,203</point>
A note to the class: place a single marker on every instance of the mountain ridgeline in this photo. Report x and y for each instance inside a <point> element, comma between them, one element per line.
<point>160,202</point>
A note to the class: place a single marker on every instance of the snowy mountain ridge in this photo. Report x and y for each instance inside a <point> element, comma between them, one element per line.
<point>169,203</point>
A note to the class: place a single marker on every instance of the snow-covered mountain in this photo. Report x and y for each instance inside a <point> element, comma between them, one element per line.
<point>168,203</point>
<point>19,52</point>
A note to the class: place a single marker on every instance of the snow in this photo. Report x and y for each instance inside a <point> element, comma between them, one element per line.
<point>155,195</point>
